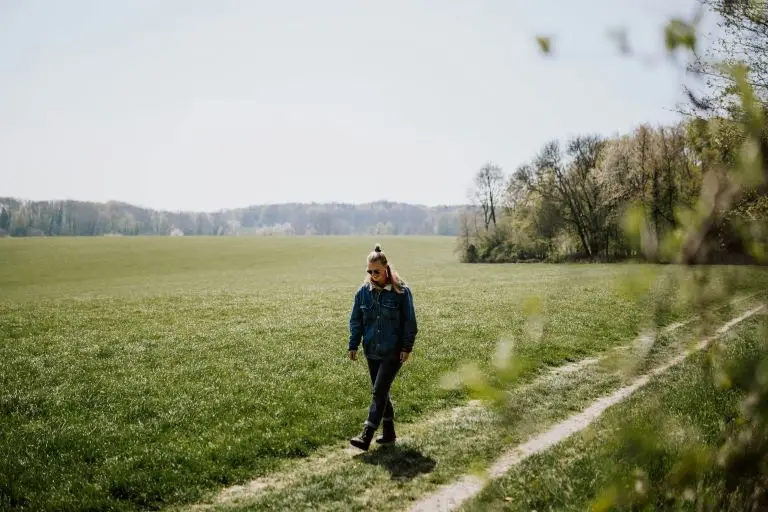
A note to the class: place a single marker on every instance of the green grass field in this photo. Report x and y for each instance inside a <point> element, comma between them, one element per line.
<point>147,372</point>
<point>582,471</point>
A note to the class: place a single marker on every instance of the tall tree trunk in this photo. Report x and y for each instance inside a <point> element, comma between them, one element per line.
<point>656,202</point>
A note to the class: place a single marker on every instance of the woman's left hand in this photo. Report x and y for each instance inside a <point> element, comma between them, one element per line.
<point>404,356</point>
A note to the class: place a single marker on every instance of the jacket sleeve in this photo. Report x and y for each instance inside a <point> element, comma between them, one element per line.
<point>408,315</point>
<point>355,323</point>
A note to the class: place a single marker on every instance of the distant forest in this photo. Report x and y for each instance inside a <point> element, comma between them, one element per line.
<point>79,218</point>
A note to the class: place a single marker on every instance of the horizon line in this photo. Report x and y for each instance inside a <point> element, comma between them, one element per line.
<point>230,209</point>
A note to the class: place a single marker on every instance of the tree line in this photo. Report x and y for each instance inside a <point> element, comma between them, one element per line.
<point>82,218</point>
<point>579,198</point>
<point>573,198</point>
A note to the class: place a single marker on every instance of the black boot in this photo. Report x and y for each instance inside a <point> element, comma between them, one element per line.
<point>363,441</point>
<point>388,432</point>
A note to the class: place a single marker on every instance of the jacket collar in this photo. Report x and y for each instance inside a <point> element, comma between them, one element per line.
<point>373,287</point>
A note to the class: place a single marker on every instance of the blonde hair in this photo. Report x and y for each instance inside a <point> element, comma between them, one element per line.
<point>377,256</point>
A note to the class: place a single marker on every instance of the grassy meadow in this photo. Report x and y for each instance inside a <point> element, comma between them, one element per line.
<point>587,469</point>
<point>147,372</point>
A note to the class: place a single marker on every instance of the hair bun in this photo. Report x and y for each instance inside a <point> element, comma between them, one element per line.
<point>377,248</point>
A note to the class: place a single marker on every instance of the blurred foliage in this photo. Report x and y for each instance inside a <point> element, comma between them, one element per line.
<point>685,195</point>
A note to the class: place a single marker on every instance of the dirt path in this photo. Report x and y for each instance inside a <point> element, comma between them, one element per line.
<point>453,495</point>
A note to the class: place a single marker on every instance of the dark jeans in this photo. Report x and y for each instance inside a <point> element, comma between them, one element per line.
<point>382,374</point>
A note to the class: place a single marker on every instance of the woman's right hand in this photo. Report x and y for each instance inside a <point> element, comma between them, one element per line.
<point>353,355</point>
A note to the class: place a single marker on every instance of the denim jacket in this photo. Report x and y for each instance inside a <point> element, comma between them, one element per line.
<point>385,320</point>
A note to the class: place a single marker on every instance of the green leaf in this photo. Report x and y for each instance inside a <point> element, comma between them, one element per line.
<point>750,164</point>
<point>545,44</point>
<point>679,33</point>
<point>749,102</point>
<point>671,245</point>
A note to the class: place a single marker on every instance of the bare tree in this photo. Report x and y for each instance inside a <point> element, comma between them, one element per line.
<point>489,183</point>
<point>468,230</point>
<point>744,38</point>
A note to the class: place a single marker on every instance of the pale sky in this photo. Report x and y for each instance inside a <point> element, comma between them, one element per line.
<point>202,105</point>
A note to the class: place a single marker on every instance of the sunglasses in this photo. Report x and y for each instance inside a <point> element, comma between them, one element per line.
<point>374,272</point>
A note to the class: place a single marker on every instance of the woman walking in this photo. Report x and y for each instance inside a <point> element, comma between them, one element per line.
<point>383,316</point>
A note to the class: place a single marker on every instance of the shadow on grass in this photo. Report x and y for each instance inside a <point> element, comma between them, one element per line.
<point>402,462</point>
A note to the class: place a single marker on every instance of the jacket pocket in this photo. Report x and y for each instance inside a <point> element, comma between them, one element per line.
<point>390,323</point>
<point>390,312</point>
